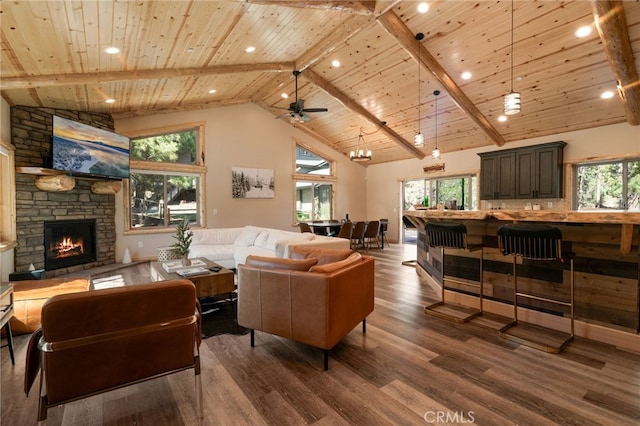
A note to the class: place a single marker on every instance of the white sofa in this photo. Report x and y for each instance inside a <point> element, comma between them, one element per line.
<point>229,247</point>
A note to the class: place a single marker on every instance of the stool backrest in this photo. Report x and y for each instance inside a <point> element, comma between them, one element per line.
<point>541,242</point>
<point>446,234</point>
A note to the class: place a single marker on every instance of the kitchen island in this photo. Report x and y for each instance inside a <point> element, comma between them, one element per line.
<point>607,265</point>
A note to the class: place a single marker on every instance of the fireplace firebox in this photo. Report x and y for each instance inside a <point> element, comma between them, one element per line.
<point>69,243</point>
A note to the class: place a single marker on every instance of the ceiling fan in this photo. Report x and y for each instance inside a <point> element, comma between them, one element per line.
<point>297,111</point>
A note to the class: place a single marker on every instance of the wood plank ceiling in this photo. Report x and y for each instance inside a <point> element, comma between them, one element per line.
<point>174,52</point>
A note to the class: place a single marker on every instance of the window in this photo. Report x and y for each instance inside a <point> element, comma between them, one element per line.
<point>459,189</point>
<point>167,178</point>
<point>608,185</point>
<point>7,197</point>
<point>444,191</point>
<point>314,185</point>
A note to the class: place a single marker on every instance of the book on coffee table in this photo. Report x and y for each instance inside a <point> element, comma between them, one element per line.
<point>190,272</point>
<point>175,265</point>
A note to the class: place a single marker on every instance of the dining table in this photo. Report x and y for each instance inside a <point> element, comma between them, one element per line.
<point>325,227</point>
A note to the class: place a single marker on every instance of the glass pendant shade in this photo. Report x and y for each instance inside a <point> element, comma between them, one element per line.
<point>435,153</point>
<point>512,103</point>
<point>418,140</point>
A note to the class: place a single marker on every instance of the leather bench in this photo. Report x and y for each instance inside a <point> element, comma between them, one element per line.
<point>30,295</point>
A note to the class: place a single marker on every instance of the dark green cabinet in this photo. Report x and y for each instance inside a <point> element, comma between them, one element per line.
<point>497,176</point>
<point>540,171</point>
<point>530,172</point>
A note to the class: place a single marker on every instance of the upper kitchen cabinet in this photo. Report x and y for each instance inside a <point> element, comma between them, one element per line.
<point>530,172</point>
<point>539,171</point>
<point>497,175</point>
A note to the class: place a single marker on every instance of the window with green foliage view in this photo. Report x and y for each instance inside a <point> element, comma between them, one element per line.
<point>613,185</point>
<point>166,179</point>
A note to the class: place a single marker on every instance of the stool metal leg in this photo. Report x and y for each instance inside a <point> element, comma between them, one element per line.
<point>444,310</point>
<point>530,341</point>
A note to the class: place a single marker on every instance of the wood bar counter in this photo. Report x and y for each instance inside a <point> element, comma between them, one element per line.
<point>607,263</point>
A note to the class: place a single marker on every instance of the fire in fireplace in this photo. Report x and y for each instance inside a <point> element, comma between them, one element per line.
<point>69,243</point>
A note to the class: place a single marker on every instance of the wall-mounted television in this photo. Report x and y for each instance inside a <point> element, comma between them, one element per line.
<point>84,150</point>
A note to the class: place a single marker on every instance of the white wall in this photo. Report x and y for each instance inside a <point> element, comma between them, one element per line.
<point>244,136</point>
<point>384,194</point>
<point>6,257</point>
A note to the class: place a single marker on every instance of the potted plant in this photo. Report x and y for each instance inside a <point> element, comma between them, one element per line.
<point>183,241</point>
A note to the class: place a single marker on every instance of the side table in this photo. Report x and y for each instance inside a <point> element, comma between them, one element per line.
<point>6,312</point>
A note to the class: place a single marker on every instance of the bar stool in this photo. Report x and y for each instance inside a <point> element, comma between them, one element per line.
<point>537,243</point>
<point>453,235</point>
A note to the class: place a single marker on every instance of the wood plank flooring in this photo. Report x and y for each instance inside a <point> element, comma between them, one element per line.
<point>408,369</point>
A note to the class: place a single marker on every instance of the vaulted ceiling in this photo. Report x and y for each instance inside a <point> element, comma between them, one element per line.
<point>172,53</point>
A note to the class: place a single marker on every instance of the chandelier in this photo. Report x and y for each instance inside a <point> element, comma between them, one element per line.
<point>362,153</point>
<point>512,100</point>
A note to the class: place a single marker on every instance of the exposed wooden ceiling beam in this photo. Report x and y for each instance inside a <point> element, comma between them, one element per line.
<point>363,7</point>
<point>359,109</point>
<point>160,109</point>
<point>611,23</point>
<point>407,40</point>
<point>26,82</point>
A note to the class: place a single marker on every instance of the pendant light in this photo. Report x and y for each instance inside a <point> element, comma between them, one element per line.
<point>418,139</point>
<point>436,152</point>
<point>362,153</point>
<point>512,100</point>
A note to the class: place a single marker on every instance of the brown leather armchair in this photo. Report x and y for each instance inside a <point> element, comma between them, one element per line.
<point>298,299</point>
<point>96,341</point>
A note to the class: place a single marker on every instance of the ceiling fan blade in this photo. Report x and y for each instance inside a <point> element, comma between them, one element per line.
<point>315,109</point>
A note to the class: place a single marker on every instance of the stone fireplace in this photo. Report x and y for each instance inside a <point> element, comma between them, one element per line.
<point>31,130</point>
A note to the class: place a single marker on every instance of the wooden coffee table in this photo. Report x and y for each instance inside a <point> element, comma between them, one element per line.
<point>208,284</point>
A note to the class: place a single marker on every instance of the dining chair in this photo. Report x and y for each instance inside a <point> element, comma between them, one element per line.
<point>371,234</point>
<point>384,223</point>
<point>304,227</point>
<point>346,230</point>
<point>357,236</point>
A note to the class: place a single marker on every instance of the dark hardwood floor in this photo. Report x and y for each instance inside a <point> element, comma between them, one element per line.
<point>409,368</point>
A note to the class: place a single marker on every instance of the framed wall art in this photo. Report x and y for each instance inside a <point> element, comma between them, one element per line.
<point>252,183</point>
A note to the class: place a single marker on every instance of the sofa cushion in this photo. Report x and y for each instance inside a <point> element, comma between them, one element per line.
<point>279,263</point>
<point>215,236</point>
<point>331,267</point>
<point>323,255</point>
<point>247,236</point>
<point>269,238</point>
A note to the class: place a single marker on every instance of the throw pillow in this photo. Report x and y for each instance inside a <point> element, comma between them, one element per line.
<point>331,267</point>
<point>278,263</point>
<point>324,255</point>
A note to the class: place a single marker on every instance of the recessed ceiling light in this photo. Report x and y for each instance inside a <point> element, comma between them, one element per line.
<point>583,31</point>
<point>335,63</point>
<point>465,75</point>
<point>212,91</point>
<point>112,50</point>
<point>189,50</point>
<point>109,101</point>
<point>284,95</point>
<point>502,118</point>
<point>250,49</point>
<point>607,94</point>
<point>423,7</point>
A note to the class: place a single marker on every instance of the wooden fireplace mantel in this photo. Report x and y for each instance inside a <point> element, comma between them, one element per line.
<point>56,181</point>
